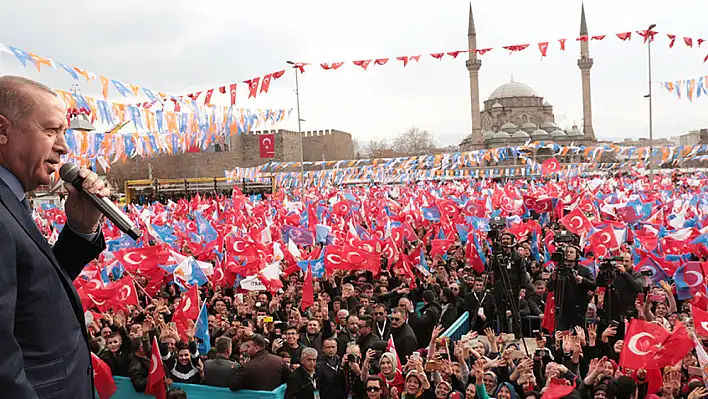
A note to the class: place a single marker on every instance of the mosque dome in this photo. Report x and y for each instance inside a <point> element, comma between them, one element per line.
<point>558,133</point>
<point>488,135</point>
<point>512,89</point>
<point>497,105</point>
<point>509,127</point>
<point>575,132</point>
<point>548,126</point>
<point>529,127</point>
<point>520,135</point>
<point>501,135</point>
<point>539,134</point>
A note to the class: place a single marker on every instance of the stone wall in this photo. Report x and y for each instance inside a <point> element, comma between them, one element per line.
<point>244,152</point>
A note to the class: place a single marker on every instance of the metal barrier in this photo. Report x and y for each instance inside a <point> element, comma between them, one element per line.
<point>125,390</point>
<point>460,327</point>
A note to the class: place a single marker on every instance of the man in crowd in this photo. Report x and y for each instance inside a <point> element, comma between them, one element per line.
<point>263,371</point>
<point>303,382</point>
<point>219,372</point>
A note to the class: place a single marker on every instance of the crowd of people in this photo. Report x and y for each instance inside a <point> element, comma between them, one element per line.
<point>525,258</point>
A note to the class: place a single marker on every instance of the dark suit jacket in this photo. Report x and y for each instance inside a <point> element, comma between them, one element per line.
<point>263,372</point>
<point>300,385</point>
<point>219,371</point>
<point>43,338</point>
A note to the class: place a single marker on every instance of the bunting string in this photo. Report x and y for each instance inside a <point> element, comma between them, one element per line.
<point>466,164</point>
<point>543,48</point>
<point>254,86</point>
<point>688,88</point>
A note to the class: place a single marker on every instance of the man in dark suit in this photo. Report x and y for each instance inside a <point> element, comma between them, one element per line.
<point>262,371</point>
<point>43,336</point>
<point>303,383</point>
<point>219,371</point>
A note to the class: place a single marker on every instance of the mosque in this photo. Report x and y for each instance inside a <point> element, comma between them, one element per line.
<point>514,113</point>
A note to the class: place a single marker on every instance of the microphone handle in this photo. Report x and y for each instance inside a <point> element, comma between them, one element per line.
<point>111,211</point>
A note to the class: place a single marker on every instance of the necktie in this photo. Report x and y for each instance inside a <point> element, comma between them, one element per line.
<point>26,205</point>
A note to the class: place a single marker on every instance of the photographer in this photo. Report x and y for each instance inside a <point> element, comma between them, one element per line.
<point>509,277</point>
<point>570,283</point>
<point>623,284</point>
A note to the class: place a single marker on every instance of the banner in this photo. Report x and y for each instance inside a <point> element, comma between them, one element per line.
<point>266,145</point>
<point>688,88</point>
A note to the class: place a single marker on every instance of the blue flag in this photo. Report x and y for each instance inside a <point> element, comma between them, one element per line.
<point>201,331</point>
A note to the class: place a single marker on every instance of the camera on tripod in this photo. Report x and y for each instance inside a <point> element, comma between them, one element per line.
<point>496,224</point>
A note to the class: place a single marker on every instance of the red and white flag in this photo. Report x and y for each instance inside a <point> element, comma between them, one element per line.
<point>700,320</point>
<point>642,342</point>
<point>550,165</point>
<point>391,347</point>
<point>156,377</point>
<point>266,145</point>
<point>103,378</point>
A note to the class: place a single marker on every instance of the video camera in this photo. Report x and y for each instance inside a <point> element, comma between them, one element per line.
<point>608,267</point>
<point>562,238</point>
<point>496,225</point>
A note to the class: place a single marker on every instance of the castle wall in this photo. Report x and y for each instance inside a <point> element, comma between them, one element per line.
<point>244,152</point>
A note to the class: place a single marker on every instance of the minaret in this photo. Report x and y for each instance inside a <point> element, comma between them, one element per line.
<point>585,63</point>
<point>473,65</point>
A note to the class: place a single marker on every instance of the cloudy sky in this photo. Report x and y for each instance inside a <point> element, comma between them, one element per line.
<point>183,46</point>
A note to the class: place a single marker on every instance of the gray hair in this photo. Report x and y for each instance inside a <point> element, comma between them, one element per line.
<point>15,103</point>
<point>309,352</point>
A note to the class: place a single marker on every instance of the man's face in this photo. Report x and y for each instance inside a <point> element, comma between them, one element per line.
<point>308,362</point>
<point>478,286</point>
<point>373,389</point>
<point>250,348</point>
<point>363,329</point>
<point>330,347</point>
<point>342,317</point>
<point>32,146</point>
<point>291,336</point>
<point>364,302</point>
<point>313,327</point>
<point>219,306</point>
<point>353,324</point>
<point>105,332</point>
<point>506,240</point>
<point>403,303</point>
<point>183,357</point>
<point>627,260</point>
<point>455,289</point>
<point>113,344</point>
<point>170,342</point>
<point>380,314</point>
<point>397,319</point>
<point>540,289</point>
<point>571,253</point>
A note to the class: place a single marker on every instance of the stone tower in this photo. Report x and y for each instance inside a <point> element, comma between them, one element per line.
<point>473,65</point>
<point>585,63</point>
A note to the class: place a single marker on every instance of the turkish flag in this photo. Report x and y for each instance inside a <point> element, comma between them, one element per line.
<point>308,294</point>
<point>576,222</point>
<point>673,350</point>
<point>266,145</point>
<point>700,320</point>
<point>156,376</point>
<point>189,305</point>
<point>232,91</point>
<point>103,378</point>
<point>265,84</point>
<point>549,314</point>
<point>642,342</point>
<point>126,293</point>
<point>252,86</point>
<point>550,165</point>
<point>543,47</point>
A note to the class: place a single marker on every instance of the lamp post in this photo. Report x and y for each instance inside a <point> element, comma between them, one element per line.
<point>299,133</point>
<point>651,119</point>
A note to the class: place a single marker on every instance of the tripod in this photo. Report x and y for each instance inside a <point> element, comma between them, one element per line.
<point>507,294</point>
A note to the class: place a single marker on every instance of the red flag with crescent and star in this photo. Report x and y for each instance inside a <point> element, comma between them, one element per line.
<point>550,165</point>
<point>156,377</point>
<point>103,378</point>
<point>266,145</point>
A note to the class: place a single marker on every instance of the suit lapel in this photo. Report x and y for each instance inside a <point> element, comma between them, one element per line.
<point>15,208</point>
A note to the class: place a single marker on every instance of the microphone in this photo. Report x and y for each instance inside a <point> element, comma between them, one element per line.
<point>69,172</point>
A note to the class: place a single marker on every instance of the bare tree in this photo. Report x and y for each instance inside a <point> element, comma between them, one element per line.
<point>414,141</point>
<point>358,150</point>
<point>378,148</point>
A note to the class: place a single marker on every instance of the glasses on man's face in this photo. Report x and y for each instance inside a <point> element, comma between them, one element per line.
<point>372,389</point>
<point>379,313</point>
<point>396,318</point>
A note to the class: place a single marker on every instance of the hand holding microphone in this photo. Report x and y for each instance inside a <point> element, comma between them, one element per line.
<point>88,202</point>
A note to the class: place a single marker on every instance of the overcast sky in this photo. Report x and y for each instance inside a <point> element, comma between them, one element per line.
<point>182,46</point>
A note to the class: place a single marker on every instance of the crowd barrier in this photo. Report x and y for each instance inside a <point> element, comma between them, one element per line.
<point>125,390</point>
<point>460,327</point>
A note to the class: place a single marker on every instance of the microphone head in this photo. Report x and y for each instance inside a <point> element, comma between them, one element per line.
<point>69,172</point>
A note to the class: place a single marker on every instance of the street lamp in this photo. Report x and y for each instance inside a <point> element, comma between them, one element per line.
<point>651,119</point>
<point>299,132</point>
